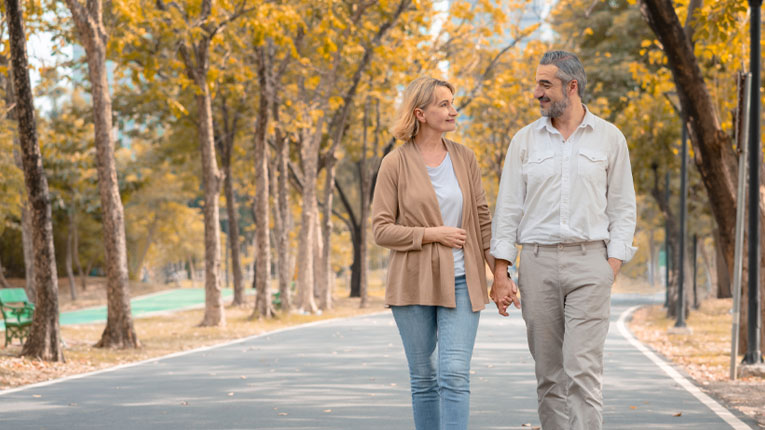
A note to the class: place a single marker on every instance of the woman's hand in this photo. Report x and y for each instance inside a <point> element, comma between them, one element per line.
<point>452,237</point>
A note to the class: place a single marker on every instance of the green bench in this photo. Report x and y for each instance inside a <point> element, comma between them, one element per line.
<point>17,313</point>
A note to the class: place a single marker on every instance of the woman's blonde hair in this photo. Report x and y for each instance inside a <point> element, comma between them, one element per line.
<point>418,95</point>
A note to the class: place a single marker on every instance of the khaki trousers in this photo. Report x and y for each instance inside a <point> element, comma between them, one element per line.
<point>565,295</point>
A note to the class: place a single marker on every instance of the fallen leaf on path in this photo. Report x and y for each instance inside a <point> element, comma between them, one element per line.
<point>679,414</point>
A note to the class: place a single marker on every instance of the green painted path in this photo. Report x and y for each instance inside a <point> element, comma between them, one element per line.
<point>143,306</point>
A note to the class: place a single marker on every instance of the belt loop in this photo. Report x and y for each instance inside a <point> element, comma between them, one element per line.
<point>584,249</point>
<point>536,249</point>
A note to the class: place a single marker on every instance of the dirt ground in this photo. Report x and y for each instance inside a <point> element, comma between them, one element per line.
<point>704,353</point>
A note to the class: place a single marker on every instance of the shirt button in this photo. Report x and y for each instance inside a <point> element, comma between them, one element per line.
<point>560,246</point>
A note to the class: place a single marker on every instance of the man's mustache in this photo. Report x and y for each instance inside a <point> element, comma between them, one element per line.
<point>543,99</point>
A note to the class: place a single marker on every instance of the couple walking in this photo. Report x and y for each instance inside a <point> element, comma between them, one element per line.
<point>566,197</point>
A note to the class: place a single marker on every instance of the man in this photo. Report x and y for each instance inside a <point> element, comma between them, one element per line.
<point>566,196</point>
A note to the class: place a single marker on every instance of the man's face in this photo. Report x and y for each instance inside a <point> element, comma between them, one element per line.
<point>549,90</point>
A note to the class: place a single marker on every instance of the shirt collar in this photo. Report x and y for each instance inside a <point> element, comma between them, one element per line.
<point>546,122</point>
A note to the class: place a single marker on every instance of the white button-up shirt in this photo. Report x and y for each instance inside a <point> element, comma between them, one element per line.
<point>556,190</point>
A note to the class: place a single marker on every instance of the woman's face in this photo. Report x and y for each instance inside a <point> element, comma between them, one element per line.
<point>440,115</point>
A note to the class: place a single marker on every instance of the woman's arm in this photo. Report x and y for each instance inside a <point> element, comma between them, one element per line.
<point>397,237</point>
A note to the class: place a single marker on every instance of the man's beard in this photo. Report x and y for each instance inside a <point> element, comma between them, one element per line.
<point>557,108</point>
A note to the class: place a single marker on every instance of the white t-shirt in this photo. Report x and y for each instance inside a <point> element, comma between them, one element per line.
<point>449,195</point>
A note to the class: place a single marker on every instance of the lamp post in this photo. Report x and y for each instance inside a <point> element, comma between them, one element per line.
<point>680,323</point>
<point>753,354</point>
<point>667,258</point>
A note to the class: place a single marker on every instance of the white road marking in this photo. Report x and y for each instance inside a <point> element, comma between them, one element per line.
<point>717,408</point>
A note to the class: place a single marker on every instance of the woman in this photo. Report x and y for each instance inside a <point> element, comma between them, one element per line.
<point>429,208</point>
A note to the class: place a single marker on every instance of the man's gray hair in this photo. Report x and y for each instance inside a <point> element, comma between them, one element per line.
<point>569,68</point>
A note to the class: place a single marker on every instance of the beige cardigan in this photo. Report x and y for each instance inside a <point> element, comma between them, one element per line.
<point>404,205</point>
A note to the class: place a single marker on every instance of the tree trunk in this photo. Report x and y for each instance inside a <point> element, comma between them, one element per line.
<point>365,203</point>
<point>233,233</point>
<point>226,148</point>
<point>724,284</point>
<point>714,155</point>
<point>326,284</point>
<point>708,268</point>
<point>119,331</point>
<point>26,218</point>
<point>651,275</point>
<point>44,341</point>
<point>305,284</point>
<point>69,252</point>
<point>27,241</point>
<point>214,311</point>
<point>135,269</point>
<point>356,265</point>
<point>673,243</point>
<point>263,307</point>
<point>318,262</point>
<point>3,282</point>
<point>76,253</point>
<point>282,217</point>
<point>191,271</point>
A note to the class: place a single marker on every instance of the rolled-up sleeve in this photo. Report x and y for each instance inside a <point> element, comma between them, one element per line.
<point>621,210</point>
<point>387,233</point>
<point>509,210</point>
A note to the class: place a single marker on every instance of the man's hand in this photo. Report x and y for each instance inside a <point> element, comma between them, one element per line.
<point>504,291</point>
<point>616,265</point>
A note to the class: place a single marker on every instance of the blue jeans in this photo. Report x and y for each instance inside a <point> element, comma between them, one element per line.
<point>440,390</point>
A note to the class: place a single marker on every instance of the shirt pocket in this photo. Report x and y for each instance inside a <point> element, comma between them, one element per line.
<point>540,166</point>
<point>593,166</point>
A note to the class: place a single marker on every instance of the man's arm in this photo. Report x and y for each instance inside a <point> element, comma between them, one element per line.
<point>509,208</point>
<point>504,228</point>
<point>620,207</point>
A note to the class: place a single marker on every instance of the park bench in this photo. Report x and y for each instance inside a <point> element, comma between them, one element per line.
<point>17,313</point>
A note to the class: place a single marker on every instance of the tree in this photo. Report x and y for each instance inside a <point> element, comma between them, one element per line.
<point>44,340</point>
<point>12,183</point>
<point>225,144</point>
<point>119,331</point>
<point>263,308</point>
<point>714,155</point>
<point>201,24</point>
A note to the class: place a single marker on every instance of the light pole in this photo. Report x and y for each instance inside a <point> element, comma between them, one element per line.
<point>753,354</point>
<point>667,258</point>
<point>680,323</point>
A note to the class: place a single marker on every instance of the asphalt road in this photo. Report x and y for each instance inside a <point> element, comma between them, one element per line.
<point>349,374</point>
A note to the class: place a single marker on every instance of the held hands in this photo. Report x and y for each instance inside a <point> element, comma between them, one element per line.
<point>504,292</point>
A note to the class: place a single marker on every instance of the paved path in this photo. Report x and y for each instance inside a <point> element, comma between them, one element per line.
<point>344,374</point>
